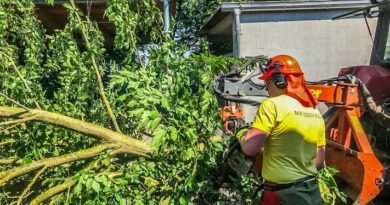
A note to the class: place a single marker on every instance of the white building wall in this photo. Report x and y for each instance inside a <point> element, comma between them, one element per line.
<point>322,47</point>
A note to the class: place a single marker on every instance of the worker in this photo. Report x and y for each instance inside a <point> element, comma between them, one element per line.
<point>290,132</point>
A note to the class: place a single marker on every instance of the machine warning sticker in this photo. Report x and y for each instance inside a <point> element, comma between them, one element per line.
<point>316,93</point>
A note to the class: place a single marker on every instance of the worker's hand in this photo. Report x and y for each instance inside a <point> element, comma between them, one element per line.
<point>241,133</point>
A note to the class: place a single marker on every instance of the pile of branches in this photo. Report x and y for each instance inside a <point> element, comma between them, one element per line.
<point>82,123</point>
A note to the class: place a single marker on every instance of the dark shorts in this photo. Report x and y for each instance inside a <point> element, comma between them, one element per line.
<point>305,193</point>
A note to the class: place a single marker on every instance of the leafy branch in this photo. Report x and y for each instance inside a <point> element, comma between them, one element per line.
<point>96,69</point>
<point>27,189</point>
<point>21,77</point>
<point>328,186</point>
<point>13,101</point>
<point>53,191</point>
<point>127,144</point>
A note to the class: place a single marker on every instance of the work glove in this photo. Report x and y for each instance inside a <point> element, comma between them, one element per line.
<point>241,133</point>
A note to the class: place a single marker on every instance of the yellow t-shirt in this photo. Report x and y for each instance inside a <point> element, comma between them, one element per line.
<point>294,132</point>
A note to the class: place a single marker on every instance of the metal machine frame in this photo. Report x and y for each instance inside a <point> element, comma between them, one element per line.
<point>348,147</point>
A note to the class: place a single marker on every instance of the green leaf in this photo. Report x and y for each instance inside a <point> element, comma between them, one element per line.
<point>98,178</point>
<point>151,182</point>
<point>173,133</point>
<point>154,114</point>
<point>26,160</point>
<point>68,6</point>
<point>151,165</point>
<point>154,124</point>
<point>122,97</point>
<point>122,201</point>
<point>189,154</point>
<point>139,202</point>
<point>50,2</point>
<point>205,106</point>
<point>143,123</point>
<point>137,113</point>
<point>77,189</point>
<point>132,104</point>
<point>183,201</point>
<point>218,146</point>
<point>96,186</point>
<point>89,183</point>
<point>164,103</point>
<point>158,137</point>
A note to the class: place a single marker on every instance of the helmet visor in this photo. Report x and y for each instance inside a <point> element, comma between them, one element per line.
<point>267,74</point>
<point>268,70</point>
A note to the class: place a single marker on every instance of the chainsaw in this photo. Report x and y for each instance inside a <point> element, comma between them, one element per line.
<point>237,92</point>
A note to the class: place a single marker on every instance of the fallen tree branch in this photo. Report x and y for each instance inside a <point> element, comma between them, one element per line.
<point>67,184</point>
<point>14,101</point>
<point>53,191</point>
<point>5,176</point>
<point>62,187</point>
<point>8,128</point>
<point>25,191</point>
<point>19,121</point>
<point>7,142</point>
<point>8,161</point>
<point>128,144</point>
<point>97,72</point>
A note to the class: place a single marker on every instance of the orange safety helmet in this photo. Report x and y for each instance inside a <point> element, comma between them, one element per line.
<point>287,65</point>
<point>287,74</point>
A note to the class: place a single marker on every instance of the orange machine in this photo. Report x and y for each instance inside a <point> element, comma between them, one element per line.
<point>355,152</point>
<point>348,147</point>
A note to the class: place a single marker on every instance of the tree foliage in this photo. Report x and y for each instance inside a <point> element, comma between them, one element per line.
<point>191,15</point>
<point>81,126</point>
<point>330,192</point>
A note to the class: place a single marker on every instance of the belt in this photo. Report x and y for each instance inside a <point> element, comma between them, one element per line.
<point>275,187</point>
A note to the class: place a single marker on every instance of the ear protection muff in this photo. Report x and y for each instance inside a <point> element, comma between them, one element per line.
<point>278,77</point>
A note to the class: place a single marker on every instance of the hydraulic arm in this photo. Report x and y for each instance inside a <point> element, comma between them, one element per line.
<point>348,147</point>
